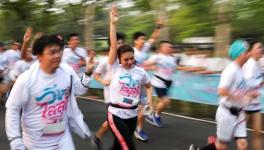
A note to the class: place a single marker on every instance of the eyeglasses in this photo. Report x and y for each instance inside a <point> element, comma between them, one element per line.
<point>54,50</point>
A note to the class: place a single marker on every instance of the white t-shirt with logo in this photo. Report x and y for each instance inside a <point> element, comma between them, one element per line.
<point>254,79</point>
<point>232,79</point>
<point>125,89</point>
<point>102,69</point>
<point>166,65</point>
<point>44,105</point>
<point>72,59</point>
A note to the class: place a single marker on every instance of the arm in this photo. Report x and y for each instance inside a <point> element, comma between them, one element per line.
<point>149,90</point>
<point>113,41</point>
<point>24,53</point>
<point>80,85</point>
<point>156,33</point>
<point>16,101</point>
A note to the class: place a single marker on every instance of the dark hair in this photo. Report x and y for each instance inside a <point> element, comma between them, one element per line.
<point>1,44</point>
<point>119,36</point>
<point>123,49</point>
<point>251,42</point>
<point>71,35</point>
<point>163,42</point>
<point>46,40</point>
<point>136,35</point>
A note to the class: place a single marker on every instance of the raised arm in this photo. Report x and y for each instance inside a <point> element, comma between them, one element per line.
<point>26,38</point>
<point>113,41</point>
<point>156,33</point>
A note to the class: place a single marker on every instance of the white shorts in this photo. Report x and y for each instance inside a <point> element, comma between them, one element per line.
<point>230,126</point>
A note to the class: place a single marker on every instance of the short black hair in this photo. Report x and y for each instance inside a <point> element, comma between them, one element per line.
<point>123,49</point>
<point>72,35</point>
<point>119,36</point>
<point>136,35</point>
<point>46,40</point>
<point>164,41</point>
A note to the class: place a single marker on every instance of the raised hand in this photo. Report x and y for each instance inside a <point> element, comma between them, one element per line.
<point>27,34</point>
<point>159,23</point>
<point>113,15</point>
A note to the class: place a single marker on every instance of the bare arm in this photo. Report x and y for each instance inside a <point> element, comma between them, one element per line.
<point>149,90</point>
<point>24,53</point>
<point>156,33</point>
<point>113,41</point>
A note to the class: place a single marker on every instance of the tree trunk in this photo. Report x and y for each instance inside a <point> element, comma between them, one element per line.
<point>89,26</point>
<point>223,28</point>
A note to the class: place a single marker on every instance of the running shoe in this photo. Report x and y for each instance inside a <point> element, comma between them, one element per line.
<point>141,135</point>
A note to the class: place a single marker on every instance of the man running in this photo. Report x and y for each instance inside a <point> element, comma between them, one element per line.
<point>42,101</point>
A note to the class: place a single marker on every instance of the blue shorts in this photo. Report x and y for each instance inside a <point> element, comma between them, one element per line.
<point>161,92</point>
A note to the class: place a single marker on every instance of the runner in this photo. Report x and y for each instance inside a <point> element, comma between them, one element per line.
<point>43,99</point>
<point>102,75</point>
<point>234,96</point>
<point>74,55</point>
<point>124,95</point>
<point>254,78</point>
<point>141,49</point>
<point>165,64</point>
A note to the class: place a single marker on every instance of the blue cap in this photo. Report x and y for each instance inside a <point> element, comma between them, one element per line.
<point>237,48</point>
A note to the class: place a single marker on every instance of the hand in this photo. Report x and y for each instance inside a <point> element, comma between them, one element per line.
<point>113,15</point>
<point>106,82</point>
<point>27,34</point>
<point>159,23</point>
<point>90,64</point>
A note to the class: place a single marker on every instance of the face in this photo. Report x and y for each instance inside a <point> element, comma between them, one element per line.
<point>74,41</point>
<point>15,46</point>
<point>140,41</point>
<point>166,48</point>
<point>51,56</point>
<point>257,50</point>
<point>127,60</point>
<point>120,42</point>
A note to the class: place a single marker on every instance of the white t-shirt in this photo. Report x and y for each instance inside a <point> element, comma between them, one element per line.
<point>102,69</point>
<point>3,65</point>
<point>12,56</point>
<point>44,104</point>
<point>166,65</point>
<point>19,67</point>
<point>125,89</point>
<point>232,78</point>
<point>72,59</point>
<point>252,74</point>
<point>141,55</point>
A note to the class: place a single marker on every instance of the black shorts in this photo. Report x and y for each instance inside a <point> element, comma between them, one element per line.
<point>161,92</point>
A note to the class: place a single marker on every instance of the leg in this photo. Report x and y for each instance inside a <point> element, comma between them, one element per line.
<point>241,144</point>
<point>122,131</point>
<point>102,131</point>
<point>162,104</point>
<point>257,127</point>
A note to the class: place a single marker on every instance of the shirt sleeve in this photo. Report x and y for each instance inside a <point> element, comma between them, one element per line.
<point>146,78</point>
<point>226,79</point>
<point>101,68</point>
<point>17,100</point>
<point>146,48</point>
